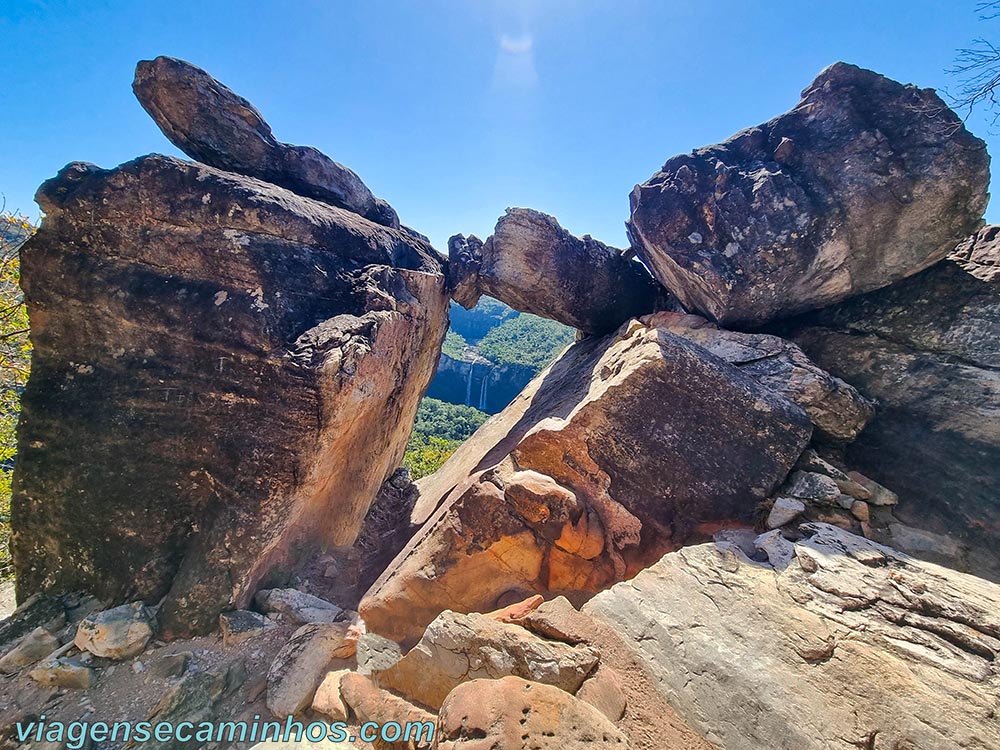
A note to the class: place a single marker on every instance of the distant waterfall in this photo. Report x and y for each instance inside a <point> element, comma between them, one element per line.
<point>468,384</point>
<point>484,389</point>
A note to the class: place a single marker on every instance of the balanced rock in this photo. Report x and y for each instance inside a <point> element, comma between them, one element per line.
<point>837,410</point>
<point>625,448</point>
<point>117,633</point>
<point>224,373</point>
<point>457,648</point>
<point>853,644</point>
<point>927,350</point>
<point>214,125</point>
<point>506,713</point>
<point>865,182</point>
<point>534,265</point>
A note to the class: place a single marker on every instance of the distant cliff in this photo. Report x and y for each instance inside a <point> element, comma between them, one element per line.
<point>492,352</point>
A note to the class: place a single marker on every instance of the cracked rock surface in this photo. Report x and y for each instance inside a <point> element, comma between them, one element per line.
<point>865,182</point>
<point>927,351</point>
<point>457,648</point>
<point>624,448</point>
<point>224,373</point>
<point>851,645</point>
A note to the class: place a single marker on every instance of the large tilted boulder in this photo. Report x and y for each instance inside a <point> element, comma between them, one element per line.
<point>837,410</point>
<point>865,182</point>
<point>626,447</point>
<point>852,645</point>
<point>534,265</point>
<point>214,125</point>
<point>224,372</point>
<point>927,350</point>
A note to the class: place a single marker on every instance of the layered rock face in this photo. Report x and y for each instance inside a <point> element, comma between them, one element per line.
<point>980,254</point>
<point>605,462</point>
<point>224,372</point>
<point>864,183</point>
<point>837,410</point>
<point>928,351</point>
<point>534,265</point>
<point>851,645</point>
<point>214,125</point>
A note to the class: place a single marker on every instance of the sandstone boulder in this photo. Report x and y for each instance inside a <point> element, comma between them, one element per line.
<point>64,673</point>
<point>515,713</point>
<point>34,646</point>
<point>603,690</point>
<point>837,410</point>
<point>852,645</point>
<point>241,625</point>
<point>224,373</point>
<point>865,182</point>
<point>927,350</point>
<point>457,648</point>
<point>297,607</point>
<point>303,662</point>
<point>626,447</point>
<point>328,700</point>
<point>534,265</point>
<point>376,654</point>
<point>214,125</point>
<point>371,704</point>
<point>117,633</point>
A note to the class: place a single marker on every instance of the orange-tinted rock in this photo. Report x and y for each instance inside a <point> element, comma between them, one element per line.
<point>511,713</point>
<point>518,611</point>
<point>623,449</point>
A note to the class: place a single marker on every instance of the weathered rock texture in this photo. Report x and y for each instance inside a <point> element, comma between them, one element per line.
<point>864,183</point>
<point>852,645</point>
<point>534,265</point>
<point>512,713</point>
<point>224,372</point>
<point>626,447</point>
<point>457,648</point>
<point>928,351</point>
<point>214,125</point>
<point>980,254</point>
<point>837,410</point>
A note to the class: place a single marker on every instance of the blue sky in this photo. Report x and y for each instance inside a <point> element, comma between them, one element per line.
<point>455,109</point>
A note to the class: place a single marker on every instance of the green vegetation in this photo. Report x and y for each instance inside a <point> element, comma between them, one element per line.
<point>473,324</point>
<point>15,358</point>
<point>454,345</point>
<point>499,334</point>
<point>439,430</point>
<point>526,340</point>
